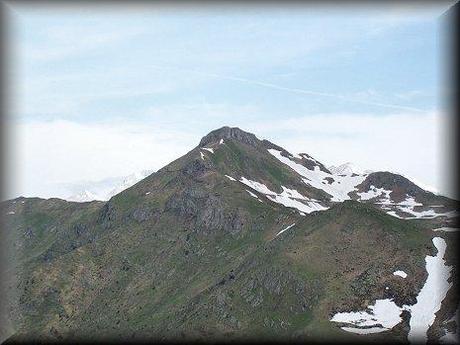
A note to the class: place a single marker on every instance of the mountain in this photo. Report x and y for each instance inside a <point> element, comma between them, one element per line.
<point>348,168</point>
<point>238,239</point>
<point>102,190</point>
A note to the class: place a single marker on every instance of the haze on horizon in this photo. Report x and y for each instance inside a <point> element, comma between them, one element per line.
<point>105,91</point>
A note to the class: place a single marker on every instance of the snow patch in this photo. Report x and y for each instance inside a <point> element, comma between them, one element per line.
<point>307,157</point>
<point>102,190</point>
<point>409,202</point>
<point>374,192</point>
<point>202,155</point>
<point>288,197</point>
<point>447,229</point>
<point>230,178</point>
<point>407,206</point>
<point>368,330</point>
<point>383,316</point>
<point>83,196</point>
<point>401,274</point>
<point>427,214</point>
<point>287,228</point>
<point>208,149</point>
<point>393,213</point>
<point>348,168</point>
<point>338,189</point>
<point>253,195</point>
<point>11,212</point>
<point>433,292</point>
<point>221,141</point>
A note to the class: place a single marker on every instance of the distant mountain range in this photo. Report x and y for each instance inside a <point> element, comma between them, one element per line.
<point>237,240</point>
<point>348,168</point>
<point>101,190</point>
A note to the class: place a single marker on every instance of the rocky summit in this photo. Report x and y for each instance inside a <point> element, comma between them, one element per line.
<point>239,239</point>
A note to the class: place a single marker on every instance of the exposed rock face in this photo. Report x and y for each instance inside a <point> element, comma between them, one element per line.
<point>196,168</point>
<point>107,215</point>
<point>310,163</point>
<point>29,233</point>
<point>143,214</point>
<point>80,229</point>
<point>185,204</point>
<point>206,212</point>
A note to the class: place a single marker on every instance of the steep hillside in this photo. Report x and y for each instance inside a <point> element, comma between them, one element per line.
<point>238,238</point>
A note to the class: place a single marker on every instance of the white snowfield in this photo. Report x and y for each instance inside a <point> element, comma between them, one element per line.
<point>409,202</point>
<point>427,214</point>
<point>382,316</point>
<point>305,156</point>
<point>10,212</point>
<point>84,196</point>
<point>348,168</point>
<point>406,206</point>
<point>367,330</point>
<point>287,228</point>
<point>401,274</point>
<point>202,155</point>
<point>447,229</point>
<point>288,197</point>
<point>423,312</point>
<point>338,189</point>
<point>208,149</point>
<point>374,192</point>
<point>230,178</point>
<point>105,189</point>
<point>253,195</point>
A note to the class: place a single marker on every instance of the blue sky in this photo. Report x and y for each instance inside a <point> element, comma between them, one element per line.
<point>107,91</point>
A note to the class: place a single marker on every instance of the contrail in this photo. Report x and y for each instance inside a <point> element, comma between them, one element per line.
<point>294,90</point>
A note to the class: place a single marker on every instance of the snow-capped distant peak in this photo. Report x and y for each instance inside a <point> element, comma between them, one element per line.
<point>348,168</point>
<point>103,190</point>
<point>85,196</point>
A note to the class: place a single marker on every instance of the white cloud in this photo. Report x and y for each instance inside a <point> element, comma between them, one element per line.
<point>410,95</point>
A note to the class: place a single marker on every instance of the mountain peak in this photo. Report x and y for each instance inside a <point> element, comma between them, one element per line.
<point>348,168</point>
<point>229,133</point>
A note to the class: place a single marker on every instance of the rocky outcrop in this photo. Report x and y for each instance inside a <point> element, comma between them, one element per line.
<point>206,212</point>
<point>229,133</point>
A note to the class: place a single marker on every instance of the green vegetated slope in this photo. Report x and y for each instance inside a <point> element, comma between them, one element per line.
<point>189,253</point>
